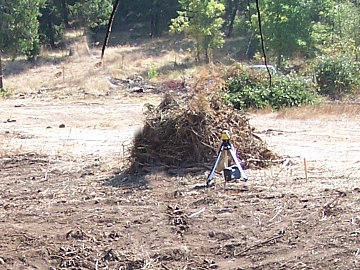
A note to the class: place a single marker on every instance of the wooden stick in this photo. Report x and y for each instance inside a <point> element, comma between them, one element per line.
<point>197,213</point>
<point>306,175</point>
<point>258,244</point>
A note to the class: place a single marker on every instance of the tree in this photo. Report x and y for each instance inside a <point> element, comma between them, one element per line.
<point>151,17</point>
<point>287,27</point>
<point>19,27</point>
<point>337,27</point>
<point>231,8</point>
<point>109,26</point>
<point>53,22</point>
<point>160,13</point>
<point>90,13</point>
<point>201,21</point>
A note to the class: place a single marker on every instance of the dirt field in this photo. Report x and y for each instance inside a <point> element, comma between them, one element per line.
<point>64,203</point>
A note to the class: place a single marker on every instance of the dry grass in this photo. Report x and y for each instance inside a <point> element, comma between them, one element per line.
<point>322,111</point>
<point>62,75</point>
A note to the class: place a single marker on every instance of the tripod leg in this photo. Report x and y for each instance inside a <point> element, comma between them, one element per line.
<point>212,172</point>
<point>233,155</point>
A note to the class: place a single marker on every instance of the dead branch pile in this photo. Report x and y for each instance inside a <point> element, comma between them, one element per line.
<point>176,135</point>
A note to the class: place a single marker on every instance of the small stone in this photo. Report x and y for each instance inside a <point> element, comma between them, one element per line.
<point>62,126</point>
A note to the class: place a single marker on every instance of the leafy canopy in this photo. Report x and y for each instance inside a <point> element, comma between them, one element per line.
<point>286,26</point>
<point>91,13</point>
<point>201,21</point>
<point>19,26</point>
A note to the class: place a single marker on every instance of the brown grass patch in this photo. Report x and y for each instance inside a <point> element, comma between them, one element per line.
<point>323,110</point>
<point>59,74</point>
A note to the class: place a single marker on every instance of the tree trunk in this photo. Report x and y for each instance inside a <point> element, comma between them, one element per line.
<point>111,19</point>
<point>232,19</point>
<point>65,13</point>
<point>278,60</point>
<point>1,75</point>
<point>51,32</point>
<point>155,25</point>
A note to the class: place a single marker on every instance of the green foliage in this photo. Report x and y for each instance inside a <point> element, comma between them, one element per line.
<point>337,76</point>
<point>290,91</point>
<point>251,90</point>
<point>4,93</point>
<point>286,26</point>
<point>201,21</point>
<point>91,13</point>
<point>338,28</point>
<point>52,22</point>
<point>153,71</point>
<point>19,26</point>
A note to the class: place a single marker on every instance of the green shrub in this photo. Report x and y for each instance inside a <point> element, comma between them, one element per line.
<point>337,76</point>
<point>4,93</point>
<point>246,96</point>
<point>153,71</point>
<point>290,91</point>
<point>246,90</point>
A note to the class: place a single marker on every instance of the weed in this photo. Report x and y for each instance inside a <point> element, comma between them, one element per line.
<point>4,93</point>
<point>153,71</point>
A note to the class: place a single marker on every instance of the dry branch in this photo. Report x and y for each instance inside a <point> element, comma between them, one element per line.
<point>183,135</point>
<point>259,244</point>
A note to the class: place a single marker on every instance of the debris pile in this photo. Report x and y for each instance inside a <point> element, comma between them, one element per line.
<point>178,135</point>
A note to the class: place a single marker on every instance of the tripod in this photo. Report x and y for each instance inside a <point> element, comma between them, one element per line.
<point>225,149</point>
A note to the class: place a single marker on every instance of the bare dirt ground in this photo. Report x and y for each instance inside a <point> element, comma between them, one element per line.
<point>64,203</point>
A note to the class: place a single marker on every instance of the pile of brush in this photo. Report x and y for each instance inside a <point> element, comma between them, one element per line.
<point>187,134</point>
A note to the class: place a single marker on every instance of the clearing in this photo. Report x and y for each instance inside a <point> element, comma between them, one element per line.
<point>65,203</point>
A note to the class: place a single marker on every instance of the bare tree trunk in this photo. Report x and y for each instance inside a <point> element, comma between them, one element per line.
<point>232,19</point>
<point>65,12</point>
<point>1,75</point>
<point>109,27</point>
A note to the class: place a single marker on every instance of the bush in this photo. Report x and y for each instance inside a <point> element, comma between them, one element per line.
<point>251,90</point>
<point>337,76</point>
<point>289,92</point>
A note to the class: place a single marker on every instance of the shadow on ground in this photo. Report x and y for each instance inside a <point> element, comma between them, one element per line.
<point>127,179</point>
<point>137,177</point>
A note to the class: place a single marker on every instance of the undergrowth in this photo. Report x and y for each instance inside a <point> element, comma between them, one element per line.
<point>337,76</point>
<point>247,89</point>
